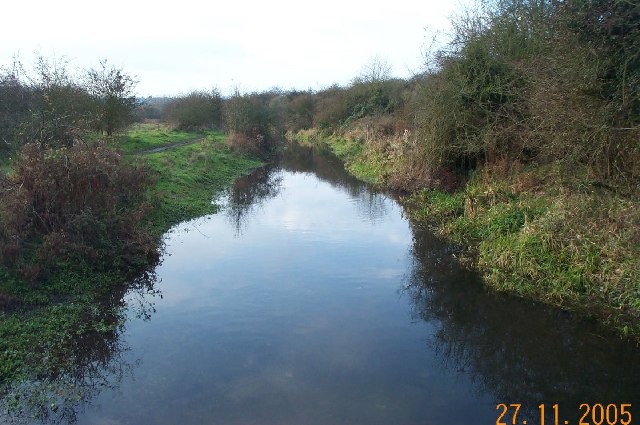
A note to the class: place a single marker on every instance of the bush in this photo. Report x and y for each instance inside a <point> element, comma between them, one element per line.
<point>299,111</point>
<point>51,107</point>
<point>79,203</point>
<point>47,107</point>
<point>536,81</point>
<point>254,122</point>
<point>198,110</point>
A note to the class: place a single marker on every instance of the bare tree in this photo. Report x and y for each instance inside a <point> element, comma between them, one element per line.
<point>376,70</point>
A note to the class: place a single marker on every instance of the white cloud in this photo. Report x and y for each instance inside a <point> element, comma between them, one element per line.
<point>173,47</point>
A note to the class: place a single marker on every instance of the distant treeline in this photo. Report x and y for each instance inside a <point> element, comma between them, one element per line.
<point>519,80</point>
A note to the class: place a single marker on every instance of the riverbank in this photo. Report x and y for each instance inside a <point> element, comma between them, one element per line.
<point>43,325</point>
<point>539,232</point>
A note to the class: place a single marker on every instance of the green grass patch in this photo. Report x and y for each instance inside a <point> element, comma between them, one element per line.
<point>190,177</point>
<point>148,136</point>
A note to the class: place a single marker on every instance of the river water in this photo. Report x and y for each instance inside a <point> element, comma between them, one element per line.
<point>311,299</point>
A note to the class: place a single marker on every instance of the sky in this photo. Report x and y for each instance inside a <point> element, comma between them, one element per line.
<point>174,47</point>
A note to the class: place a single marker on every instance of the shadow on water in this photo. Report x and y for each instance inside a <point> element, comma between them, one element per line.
<point>514,351</point>
<point>95,360</point>
<point>518,351</point>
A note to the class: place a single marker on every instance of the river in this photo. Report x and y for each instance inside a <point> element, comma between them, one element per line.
<point>311,299</point>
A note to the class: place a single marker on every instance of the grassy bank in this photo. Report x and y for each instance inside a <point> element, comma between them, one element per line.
<point>43,326</point>
<point>540,232</point>
<point>189,176</point>
<point>360,158</point>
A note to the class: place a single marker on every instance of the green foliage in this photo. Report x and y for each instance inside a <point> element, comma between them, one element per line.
<point>111,91</point>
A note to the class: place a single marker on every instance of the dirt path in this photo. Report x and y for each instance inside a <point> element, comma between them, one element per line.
<point>169,146</point>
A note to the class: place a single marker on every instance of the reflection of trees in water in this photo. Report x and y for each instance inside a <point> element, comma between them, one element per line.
<point>320,161</point>
<point>249,192</point>
<point>516,350</point>
<point>91,362</point>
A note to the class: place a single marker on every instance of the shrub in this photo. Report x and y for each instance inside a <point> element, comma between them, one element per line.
<point>254,122</point>
<point>537,81</point>
<point>51,107</point>
<point>79,203</point>
<point>299,111</point>
<point>198,110</point>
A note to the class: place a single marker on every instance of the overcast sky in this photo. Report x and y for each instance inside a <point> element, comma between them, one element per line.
<point>174,47</point>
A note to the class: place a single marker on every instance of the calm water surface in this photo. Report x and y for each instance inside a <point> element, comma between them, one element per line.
<point>310,299</point>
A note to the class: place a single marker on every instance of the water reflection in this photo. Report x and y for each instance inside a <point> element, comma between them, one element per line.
<point>519,351</point>
<point>94,361</point>
<point>248,193</point>
<point>323,164</point>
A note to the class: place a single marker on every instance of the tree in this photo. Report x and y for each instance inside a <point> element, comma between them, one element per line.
<point>46,106</point>
<point>112,92</point>
<point>375,71</point>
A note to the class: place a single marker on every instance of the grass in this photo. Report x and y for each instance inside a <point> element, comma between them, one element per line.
<point>558,243</point>
<point>197,173</point>
<point>147,136</point>
<point>361,161</point>
<point>542,232</point>
<point>40,339</point>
